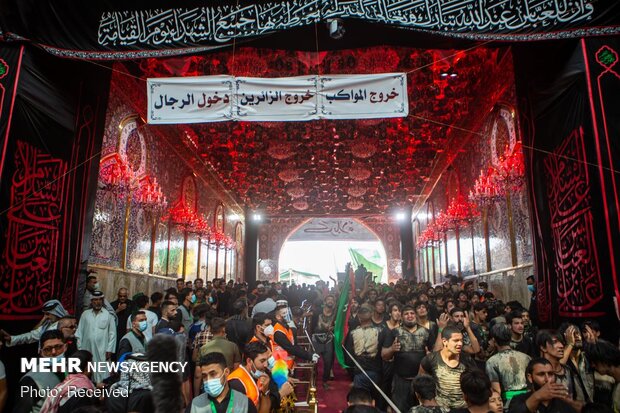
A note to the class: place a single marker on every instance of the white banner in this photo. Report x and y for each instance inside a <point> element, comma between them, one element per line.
<point>363,96</point>
<point>220,98</point>
<point>190,99</point>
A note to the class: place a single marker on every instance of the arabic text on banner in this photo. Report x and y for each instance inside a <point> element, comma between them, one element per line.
<point>221,98</point>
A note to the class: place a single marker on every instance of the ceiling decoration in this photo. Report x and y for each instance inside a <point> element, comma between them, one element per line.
<point>341,166</point>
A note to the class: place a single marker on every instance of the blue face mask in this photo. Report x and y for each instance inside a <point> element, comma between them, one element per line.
<point>213,387</point>
<point>194,298</point>
<point>257,373</point>
<point>531,288</point>
<point>211,300</point>
<point>60,357</point>
<point>142,325</point>
<point>271,362</point>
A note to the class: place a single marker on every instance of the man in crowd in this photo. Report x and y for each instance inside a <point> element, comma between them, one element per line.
<point>39,383</point>
<point>218,344</point>
<point>575,359</point>
<point>364,344</point>
<point>506,368</point>
<point>68,327</point>
<point>284,346</point>
<point>218,397</point>
<point>446,367</point>
<point>476,390</point>
<point>156,299</point>
<point>141,302</point>
<point>262,325</point>
<point>238,327</point>
<point>268,304</point>
<point>123,307</point>
<point>407,345</point>
<point>460,320</point>
<point>97,333</point>
<point>545,395</point>
<point>251,377</point>
<point>185,297</point>
<point>519,341</point>
<point>168,314</point>
<point>425,390</point>
<point>605,358</point>
<point>52,312</point>
<point>323,335</point>
<point>134,341</point>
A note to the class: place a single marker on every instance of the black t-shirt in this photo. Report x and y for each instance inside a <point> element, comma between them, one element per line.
<point>524,346</point>
<point>517,405</point>
<point>412,350</point>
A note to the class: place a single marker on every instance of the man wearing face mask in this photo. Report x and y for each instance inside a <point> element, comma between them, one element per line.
<point>218,397</point>
<point>251,377</point>
<point>134,341</point>
<point>533,308</point>
<point>262,325</point>
<point>323,336</point>
<point>284,341</point>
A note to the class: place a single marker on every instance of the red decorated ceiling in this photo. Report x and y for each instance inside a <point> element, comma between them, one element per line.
<point>341,167</point>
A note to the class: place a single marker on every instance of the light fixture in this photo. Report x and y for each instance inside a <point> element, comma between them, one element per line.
<point>233,217</point>
<point>257,217</point>
<point>336,28</point>
<point>450,73</point>
<point>400,216</point>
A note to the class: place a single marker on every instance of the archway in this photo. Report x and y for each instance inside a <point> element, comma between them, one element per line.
<point>320,248</point>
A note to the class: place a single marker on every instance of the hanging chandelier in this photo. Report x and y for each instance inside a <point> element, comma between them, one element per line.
<point>296,191</point>
<point>280,150</point>
<point>201,227</point>
<point>359,173</point>
<point>300,205</point>
<point>356,190</point>
<point>511,168</point>
<point>461,212</point>
<point>487,188</point>
<point>115,171</point>
<point>149,193</point>
<point>363,149</point>
<point>355,204</point>
<point>288,175</point>
<point>181,215</point>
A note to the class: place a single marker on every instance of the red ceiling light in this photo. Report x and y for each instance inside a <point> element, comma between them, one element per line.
<point>288,175</point>
<point>356,190</point>
<point>355,204</point>
<point>359,173</point>
<point>296,191</point>
<point>363,149</point>
<point>300,205</point>
<point>280,150</point>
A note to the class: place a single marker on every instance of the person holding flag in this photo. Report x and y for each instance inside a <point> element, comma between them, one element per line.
<point>343,313</point>
<point>323,335</point>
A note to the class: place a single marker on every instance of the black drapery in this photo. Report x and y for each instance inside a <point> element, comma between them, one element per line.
<point>575,225</point>
<point>112,29</point>
<point>51,152</point>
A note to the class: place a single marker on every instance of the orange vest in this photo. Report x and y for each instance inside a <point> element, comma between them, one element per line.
<point>251,388</point>
<point>278,352</point>
<point>269,344</point>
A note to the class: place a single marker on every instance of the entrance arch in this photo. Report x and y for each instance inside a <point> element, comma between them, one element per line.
<point>320,248</point>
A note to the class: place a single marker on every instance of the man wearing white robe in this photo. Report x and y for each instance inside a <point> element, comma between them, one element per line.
<point>97,334</point>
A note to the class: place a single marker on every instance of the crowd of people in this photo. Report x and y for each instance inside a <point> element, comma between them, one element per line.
<point>409,347</point>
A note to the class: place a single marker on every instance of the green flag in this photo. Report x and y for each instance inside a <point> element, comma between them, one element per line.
<point>342,318</point>
<point>371,265</point>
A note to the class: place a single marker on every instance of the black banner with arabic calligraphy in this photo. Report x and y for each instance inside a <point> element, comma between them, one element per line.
<point>574,262</point>
<point>45,191</point>
<point>113,30</point>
